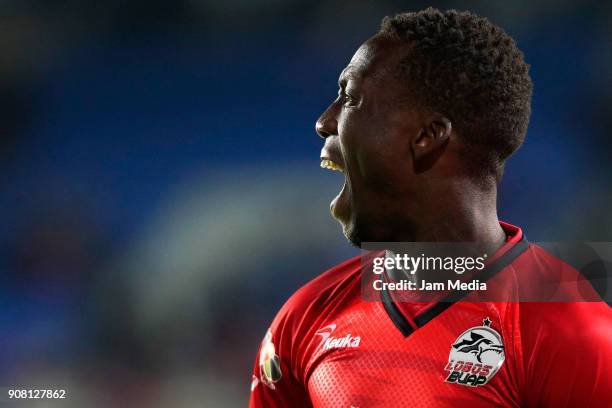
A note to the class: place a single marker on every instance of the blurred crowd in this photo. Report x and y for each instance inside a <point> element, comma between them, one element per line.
<point>160,191</point>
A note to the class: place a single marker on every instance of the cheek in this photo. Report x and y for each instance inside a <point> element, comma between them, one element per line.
<point>353,135</point>
<point>386,170</point>
<point>378,162</point>
<point>378,159</point>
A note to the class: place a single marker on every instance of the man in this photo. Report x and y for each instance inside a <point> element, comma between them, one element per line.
<point>427,113</point>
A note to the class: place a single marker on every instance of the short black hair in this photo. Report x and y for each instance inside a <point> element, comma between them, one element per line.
<point>465,67</point>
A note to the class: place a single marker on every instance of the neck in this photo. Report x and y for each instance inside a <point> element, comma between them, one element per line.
<point>460,213</point>
<point>462,216</point>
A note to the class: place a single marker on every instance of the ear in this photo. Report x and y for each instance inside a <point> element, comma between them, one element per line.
<point>431,140</point>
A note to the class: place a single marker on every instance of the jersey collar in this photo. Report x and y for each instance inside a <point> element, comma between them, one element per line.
<point>407,322</point>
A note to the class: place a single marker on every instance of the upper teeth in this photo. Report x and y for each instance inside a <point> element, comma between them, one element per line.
<point>328,164</point>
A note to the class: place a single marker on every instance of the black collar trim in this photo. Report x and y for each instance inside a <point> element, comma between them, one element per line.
<point>404,326</point>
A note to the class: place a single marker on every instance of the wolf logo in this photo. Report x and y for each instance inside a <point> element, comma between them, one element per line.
<point>477,344</point>
<point>476,355</point>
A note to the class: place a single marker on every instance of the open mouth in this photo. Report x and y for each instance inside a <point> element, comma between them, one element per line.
<point>340,204</point>
<point>331,165</point>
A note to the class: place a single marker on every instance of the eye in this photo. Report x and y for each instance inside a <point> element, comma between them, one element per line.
<point>346,99</point>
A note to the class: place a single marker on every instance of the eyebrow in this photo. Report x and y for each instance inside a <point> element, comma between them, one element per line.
<point>346,74</point>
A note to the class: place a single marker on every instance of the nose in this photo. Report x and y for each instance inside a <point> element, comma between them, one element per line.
<point>327,125</point>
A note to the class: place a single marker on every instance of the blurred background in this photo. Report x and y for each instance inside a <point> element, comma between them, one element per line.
<point>161,195</point>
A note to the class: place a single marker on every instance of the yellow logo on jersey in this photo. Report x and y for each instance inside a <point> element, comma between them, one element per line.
<point>269,362</point>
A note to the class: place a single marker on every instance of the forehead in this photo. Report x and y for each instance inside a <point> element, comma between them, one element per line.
<point>375,59</point>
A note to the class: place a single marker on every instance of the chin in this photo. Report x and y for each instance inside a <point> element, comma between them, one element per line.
<point>368,229</point>
<point>352,235</point>
<point>359,228</point>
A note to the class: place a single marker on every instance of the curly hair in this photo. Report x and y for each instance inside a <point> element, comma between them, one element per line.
<point>465,67</point>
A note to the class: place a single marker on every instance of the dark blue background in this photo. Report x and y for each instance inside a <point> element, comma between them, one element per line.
<point>161,195</point>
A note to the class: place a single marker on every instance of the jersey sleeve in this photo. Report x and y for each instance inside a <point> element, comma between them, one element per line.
<point>283,362</point>
<point>568,355</point>
<point>274,383</point>
<point>276,380</point>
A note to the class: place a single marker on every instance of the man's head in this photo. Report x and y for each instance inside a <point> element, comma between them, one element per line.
<point>436,101</point>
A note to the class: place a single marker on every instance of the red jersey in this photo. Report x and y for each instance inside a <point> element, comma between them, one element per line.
<point>327,347</point>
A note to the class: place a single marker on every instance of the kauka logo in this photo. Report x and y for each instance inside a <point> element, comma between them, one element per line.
<point>475,356</point>
<point>328,342</point>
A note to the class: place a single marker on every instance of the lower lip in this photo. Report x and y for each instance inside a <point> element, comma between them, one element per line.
<point>339,205</point>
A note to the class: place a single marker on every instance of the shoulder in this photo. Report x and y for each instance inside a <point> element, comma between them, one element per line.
<point>565,323</point>
<point>543,276</point>
<point>567,307</point>
<point>326,290</point>
<point>296,321</point>
<point>537,258</point>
